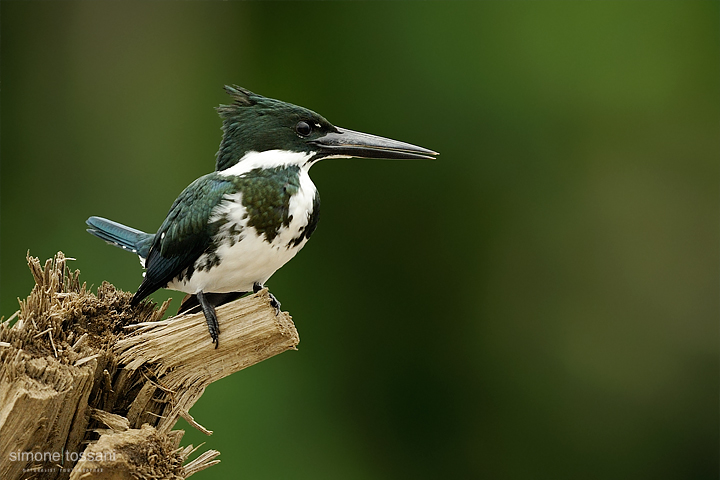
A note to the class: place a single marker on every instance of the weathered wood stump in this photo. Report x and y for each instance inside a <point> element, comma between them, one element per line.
<point>91,387</point>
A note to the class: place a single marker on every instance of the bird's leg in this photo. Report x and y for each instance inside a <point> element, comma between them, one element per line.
<point>273,301</point>
<point>210,317</point>
<point>190,303</point>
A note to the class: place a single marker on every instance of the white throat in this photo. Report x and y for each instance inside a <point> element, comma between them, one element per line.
<point>268,159</point>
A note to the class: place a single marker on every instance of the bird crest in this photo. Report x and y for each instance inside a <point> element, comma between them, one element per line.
<point>242,97</point>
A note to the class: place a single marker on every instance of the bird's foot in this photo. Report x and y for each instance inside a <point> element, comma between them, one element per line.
<point>273,301</point>
<point>210,317</point>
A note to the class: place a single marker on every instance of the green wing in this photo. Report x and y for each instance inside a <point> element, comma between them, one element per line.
<point>185,233</point>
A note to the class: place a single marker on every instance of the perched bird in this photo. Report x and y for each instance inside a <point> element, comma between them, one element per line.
<point>230,230</point>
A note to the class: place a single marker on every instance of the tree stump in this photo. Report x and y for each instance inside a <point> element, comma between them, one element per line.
<point>91,387</point>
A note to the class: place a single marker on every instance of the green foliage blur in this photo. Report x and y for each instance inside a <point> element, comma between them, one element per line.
<point>540,302</point>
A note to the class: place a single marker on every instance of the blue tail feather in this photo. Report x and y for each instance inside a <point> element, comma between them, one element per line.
<point>121,236</point>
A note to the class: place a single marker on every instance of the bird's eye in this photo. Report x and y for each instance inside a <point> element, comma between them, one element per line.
<point>303,128</point>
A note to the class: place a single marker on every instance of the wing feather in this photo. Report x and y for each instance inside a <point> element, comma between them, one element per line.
<point>184,235</point>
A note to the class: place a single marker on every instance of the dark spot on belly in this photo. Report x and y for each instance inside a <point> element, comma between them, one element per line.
<point>306,231</point>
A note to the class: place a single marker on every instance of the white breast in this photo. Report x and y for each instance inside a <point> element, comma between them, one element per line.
<point>250,258</point>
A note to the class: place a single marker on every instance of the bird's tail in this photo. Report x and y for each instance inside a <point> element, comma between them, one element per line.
<point>121,236</point>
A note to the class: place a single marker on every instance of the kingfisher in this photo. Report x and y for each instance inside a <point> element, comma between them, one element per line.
<point>230,230</point>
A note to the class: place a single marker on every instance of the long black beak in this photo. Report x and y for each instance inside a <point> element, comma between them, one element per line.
<point>363,145</point>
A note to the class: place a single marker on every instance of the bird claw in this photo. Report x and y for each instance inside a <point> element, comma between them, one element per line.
<point>275,303</point>
<point>210,317</point>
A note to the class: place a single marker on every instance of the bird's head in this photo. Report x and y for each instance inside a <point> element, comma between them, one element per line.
<point>253,123</point>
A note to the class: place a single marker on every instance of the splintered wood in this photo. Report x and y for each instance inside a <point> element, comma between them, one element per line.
<point>178,353</point>
<point>91,387</point>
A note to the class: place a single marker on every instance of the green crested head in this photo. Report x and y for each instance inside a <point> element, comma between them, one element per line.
<point>256,123</point>
<point>253,123</point>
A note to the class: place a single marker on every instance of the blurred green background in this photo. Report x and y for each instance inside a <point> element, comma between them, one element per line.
<point>540,302</point>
